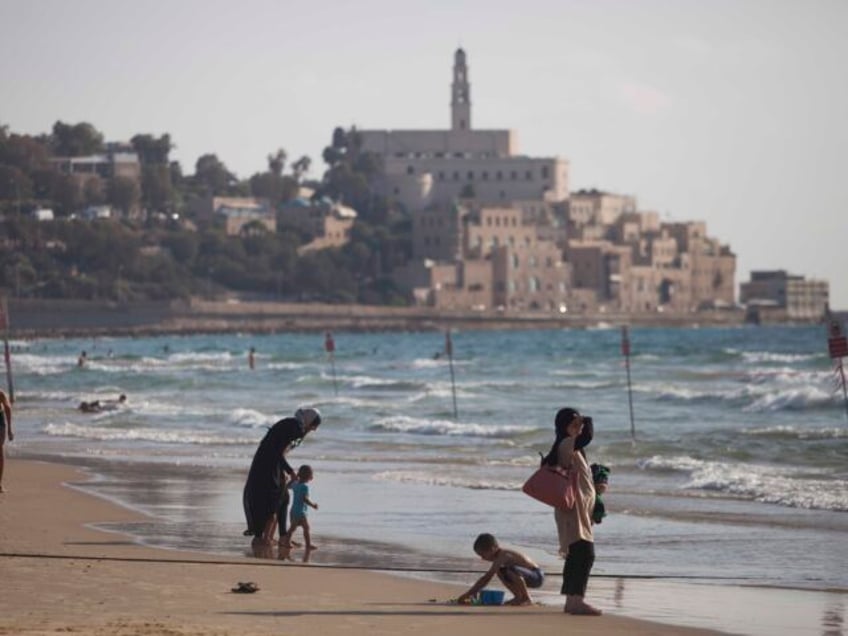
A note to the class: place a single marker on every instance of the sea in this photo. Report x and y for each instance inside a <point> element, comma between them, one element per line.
<point>728,448</point>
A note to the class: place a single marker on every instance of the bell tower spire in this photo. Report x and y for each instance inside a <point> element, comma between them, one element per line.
<point>460,94</point>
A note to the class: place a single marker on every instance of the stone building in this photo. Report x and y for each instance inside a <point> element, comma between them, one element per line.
<point>326,222</point>
<point>472,256</point>
<point>799,298</point>
<point>423,168</point>
<point>634,263</point>
<point>92,172</point>
<point>495,229</point>
<point>235,212</point>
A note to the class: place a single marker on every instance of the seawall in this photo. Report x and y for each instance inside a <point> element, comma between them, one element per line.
<point>69,318</point>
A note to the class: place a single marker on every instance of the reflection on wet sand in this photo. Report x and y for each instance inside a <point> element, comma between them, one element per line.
<point>833,618</point>
<point>262,550</point>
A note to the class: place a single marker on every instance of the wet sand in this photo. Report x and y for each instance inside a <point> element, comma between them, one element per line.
<point>60,574</point>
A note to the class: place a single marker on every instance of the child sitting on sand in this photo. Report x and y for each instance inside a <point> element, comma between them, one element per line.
<point>515,570</point>
<point>300,504</point>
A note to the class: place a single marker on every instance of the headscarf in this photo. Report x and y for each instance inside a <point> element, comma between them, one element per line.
<point>308,417</point>
<point>563,419</point>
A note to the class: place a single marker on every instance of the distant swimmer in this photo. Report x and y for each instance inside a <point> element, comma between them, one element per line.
<point>90,407</point>
<point>96,406</point>
<point>83,358</point>
<point>251,358</point>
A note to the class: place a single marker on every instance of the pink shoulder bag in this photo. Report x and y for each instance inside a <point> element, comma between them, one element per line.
<point>554,486</point>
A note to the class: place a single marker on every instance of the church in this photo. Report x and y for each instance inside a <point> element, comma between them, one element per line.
<point>435,167</point>
<point>494,229</point>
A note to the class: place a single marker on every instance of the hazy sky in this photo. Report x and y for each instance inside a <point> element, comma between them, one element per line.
<point>735,113</point>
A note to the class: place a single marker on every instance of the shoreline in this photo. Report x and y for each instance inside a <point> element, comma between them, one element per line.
<point>62,574</point>
<point>39,318</point>
<point>656,606</point>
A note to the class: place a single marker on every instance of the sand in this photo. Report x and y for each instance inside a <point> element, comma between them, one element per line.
<point>59,575</point>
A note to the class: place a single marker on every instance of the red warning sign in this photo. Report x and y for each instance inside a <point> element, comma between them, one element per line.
<point>329,343</point>
<point>837,343</point>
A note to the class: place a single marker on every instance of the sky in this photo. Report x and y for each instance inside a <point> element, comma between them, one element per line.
<point>730,112</point>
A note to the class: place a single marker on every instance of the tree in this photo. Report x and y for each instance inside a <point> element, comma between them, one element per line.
<point>156,188</point>
<point>123,193</point>
<point>24,152</point>
<point>352,175</point>
<point>92,192</point>
<point>76,140</point>
<point>152,150</point>
<point>277,162</point>
<point>212,176</point>
<point>301,167</point>
<point>66,193</point>
<point>273,187</point>
<point>15,186</point>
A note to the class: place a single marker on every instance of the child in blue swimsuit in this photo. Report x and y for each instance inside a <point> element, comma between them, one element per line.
<point>300,505</point>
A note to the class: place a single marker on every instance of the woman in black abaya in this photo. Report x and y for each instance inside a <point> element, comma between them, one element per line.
<point>266,485</point>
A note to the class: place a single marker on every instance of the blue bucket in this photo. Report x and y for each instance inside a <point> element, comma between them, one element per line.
<point>491,597</point>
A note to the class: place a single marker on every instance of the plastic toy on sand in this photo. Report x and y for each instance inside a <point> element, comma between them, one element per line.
<point>491,597</point>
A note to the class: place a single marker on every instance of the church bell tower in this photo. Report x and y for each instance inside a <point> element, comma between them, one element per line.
<point>460,94</point>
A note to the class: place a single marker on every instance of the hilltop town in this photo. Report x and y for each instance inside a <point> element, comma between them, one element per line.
<point>452,220</point>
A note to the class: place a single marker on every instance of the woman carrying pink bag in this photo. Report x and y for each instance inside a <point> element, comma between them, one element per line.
<point>574,525</point>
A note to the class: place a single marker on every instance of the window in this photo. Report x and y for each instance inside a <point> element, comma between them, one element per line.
<point>528,175</point>
<point>456,176</point>
<point>485,176</point>
<point>499,176</point>
<point>410,170</point>
<point>544,172</point>
<point>471,175</point>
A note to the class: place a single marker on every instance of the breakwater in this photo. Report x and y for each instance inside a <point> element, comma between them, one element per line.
<point>42,317</point>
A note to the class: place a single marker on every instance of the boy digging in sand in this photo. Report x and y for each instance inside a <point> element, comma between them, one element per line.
<point>515,570</point>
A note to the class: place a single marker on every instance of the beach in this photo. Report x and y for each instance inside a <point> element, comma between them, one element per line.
<point>727,512</point>
<point>76,579</point>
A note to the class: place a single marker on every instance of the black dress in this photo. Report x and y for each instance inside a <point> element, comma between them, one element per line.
<point>264,481</point>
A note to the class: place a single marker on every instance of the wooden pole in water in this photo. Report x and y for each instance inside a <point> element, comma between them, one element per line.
<point>449,351</point>
<point>625,351</point>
